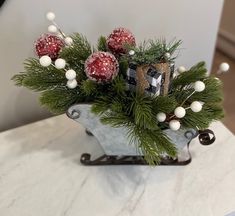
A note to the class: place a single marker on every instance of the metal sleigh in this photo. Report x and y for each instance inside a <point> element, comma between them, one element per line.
<point>115,144</point>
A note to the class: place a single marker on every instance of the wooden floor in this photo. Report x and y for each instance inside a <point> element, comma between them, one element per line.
<point>228,87</point>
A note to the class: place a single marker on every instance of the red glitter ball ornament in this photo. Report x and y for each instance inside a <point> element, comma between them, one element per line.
<point>118,38</point>
<point>101,67</point>
<point>49,45</point>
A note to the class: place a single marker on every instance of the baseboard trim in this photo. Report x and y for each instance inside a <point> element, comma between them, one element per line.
<point>226,43</point>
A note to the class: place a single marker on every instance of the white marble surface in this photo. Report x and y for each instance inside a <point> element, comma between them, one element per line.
<point>40,175</point>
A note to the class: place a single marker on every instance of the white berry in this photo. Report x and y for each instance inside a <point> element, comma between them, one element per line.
<point>167,55</point>
<point>60,63</point>
<point>199,86</point>
<point>52,28</point>
<point>224,67</point>
<point>50,16</point>
<point>131,52</point>
<point>161,117</point>
<point>174,125</point>
<point>70,74</point>
<point>72,84</point>
<point>68,41</point>
<point>45,61</point>
<point>181,69</point>
<point>196,106</point>
<point>179,112</point>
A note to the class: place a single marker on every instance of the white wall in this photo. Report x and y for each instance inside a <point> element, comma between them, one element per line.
<point>226,38</point>
<point>22,21</point>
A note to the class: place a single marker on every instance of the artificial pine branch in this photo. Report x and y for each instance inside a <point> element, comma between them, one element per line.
<point>88,87</point>
<point>153,143</point>
<point>18,78</point>
<point>153,51</point>
<point>161,47</point>
<point>102,45</point>
<point>181,96</point>
<point>123,66</point>
<point>142,111</point>
<point>119,85</point>
<point>101,105</point>
<point>39,78</point>
<point>77,54</point>
<point>202,119</point>
<point>163,104</point>
<point>197,72</point>
<point>212,93</point>
<point>60,99</point>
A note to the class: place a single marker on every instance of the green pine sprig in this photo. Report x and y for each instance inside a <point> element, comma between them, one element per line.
<point>153,51</point>
<point>39,78</point>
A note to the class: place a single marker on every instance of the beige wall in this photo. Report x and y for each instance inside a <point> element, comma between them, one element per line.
<point>22,21</point>
<point>226,38</point>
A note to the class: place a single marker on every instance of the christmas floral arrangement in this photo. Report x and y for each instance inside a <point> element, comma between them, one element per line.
<point>129,85</point>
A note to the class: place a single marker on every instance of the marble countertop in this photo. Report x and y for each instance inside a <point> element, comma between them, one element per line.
<point>40,175</point>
